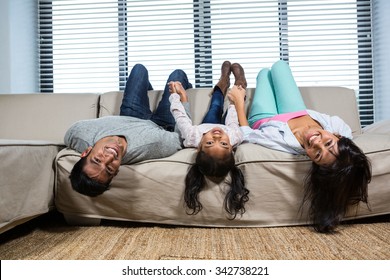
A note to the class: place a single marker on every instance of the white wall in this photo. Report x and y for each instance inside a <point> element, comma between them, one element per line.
<point>18,46</point>
<point>381,42</point>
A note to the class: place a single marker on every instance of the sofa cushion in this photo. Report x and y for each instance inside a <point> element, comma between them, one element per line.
<point>280,177</point>
<point>199,99</point>
<point>152,191</point>
<point>334,101</point>
<point>380,127</point>
<point>321,99</point>
<point>41,116</point>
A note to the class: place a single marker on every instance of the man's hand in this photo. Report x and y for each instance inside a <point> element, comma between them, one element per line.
<point>176,87</point>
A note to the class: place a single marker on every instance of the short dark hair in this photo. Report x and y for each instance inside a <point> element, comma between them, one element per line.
<point>82,183</point>
<point>332,189</point>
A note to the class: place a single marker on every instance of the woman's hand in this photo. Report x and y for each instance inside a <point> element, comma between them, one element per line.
<point>237,95</point>
<point>176,87</point>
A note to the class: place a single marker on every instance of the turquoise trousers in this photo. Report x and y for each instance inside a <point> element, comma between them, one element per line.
<point>276,93</point>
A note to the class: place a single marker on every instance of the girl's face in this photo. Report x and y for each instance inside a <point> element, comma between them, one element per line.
<point>321,146</point>
<point>216,142</point>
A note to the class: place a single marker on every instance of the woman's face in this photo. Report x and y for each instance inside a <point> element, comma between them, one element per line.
<point>321,146</point>
<point>216,142</point>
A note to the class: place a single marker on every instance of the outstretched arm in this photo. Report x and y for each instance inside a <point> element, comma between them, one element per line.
<point>176,87</point>
<point>180,109</point>
<point>237,97</point>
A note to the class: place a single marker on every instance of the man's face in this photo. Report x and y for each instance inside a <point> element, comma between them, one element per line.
<point>104,158</point>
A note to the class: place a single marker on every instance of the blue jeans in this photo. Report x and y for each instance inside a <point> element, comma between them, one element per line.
<point>215,112</point>
<point>135,102</point>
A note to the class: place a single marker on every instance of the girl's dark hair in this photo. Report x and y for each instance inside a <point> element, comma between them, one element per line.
<point>82,183</point>
<point>332,189</point>
<point>214,168</point>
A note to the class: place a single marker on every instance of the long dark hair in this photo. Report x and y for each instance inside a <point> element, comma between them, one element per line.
<point>82,183</point>
<point>216,170</point>
<point>330,190</point>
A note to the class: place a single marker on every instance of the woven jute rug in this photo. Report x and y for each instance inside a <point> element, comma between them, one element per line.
<point>50,238</point>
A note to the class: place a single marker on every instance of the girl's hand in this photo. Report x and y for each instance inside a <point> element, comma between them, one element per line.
<point>171,86</point>
<point>237,95</point>
<point>176,87</point>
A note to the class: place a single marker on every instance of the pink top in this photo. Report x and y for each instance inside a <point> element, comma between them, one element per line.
<point>280,117</point>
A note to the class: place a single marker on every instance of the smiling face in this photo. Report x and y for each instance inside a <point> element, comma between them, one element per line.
<point>321,146</point>
<point>216,143</point>
<point>104,158</point>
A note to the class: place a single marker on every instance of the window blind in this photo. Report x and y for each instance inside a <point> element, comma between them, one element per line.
<point>82,45</point>
<point>92,45</point>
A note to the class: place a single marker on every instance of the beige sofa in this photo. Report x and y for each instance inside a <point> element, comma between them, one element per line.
<point>152,191</point>
<point>32,128</point>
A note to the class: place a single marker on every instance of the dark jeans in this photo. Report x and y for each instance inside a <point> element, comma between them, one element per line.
<point>135,102</point>
<point>215,112</point>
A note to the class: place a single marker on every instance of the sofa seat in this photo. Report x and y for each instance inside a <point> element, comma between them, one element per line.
<point>152,191</point>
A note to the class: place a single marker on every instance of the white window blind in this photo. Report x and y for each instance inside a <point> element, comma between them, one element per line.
<point>82,43</point>
<point>160,35</point>
<point>90,46</point>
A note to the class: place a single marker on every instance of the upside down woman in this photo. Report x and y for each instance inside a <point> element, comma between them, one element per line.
<point>278,119</point>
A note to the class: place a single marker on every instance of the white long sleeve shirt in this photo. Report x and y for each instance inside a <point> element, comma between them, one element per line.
<point>192,134</point>
<point>277,135</point>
